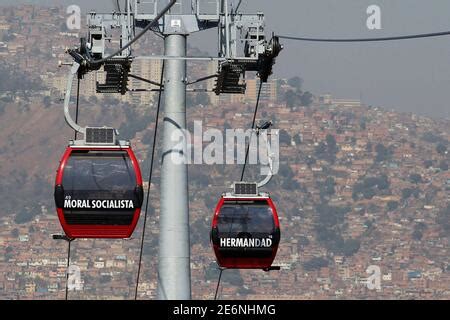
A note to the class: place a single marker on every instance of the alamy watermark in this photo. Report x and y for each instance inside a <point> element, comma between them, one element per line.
<point>213,146</point>
<point>374,278</point>
<point>373,21</point>
<point>74,282</point>
<point>73,22</point>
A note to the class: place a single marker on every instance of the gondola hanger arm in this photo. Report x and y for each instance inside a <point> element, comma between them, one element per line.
<point>270,155</point>
<point>73,71</point>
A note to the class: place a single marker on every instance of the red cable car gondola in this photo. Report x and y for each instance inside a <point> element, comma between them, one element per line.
<point>98,191</point>
<point>245,232</point>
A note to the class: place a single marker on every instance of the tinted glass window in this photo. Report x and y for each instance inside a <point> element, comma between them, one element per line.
<point>252,217</point>
<point>99,171</point>
<point>99,188</point>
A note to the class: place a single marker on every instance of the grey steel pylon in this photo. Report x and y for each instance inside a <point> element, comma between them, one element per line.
<point>174,277</point>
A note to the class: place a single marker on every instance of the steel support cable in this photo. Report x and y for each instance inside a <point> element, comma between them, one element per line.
<point>68,265</point>
<point>238,6</point>
<point>243,169</point>
<point>148,187</point>
<point>253,127</point>
<point>218,283</point>
<point>153,23</point>
<point>413,36</point>
<point>70,240</point>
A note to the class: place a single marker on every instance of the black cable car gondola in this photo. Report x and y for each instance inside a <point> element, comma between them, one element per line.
<point>98,191</point>
<point>245,232</point>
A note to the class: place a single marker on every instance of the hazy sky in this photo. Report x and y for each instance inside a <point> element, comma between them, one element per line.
<point>411,75</point>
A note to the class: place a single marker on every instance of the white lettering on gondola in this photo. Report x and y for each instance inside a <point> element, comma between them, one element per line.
<point>245,243</point>
<point>98,204</point>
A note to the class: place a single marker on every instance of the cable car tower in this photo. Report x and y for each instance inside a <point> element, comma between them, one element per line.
<point>242,47</point>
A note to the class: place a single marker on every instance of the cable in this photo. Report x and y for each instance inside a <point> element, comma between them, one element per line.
<point>218,282</point>
<point>68,265</point>
<point>149,184</point>
<point>414,36</point>
<point>136,38</point>
<point>243,169</point>
<point>237,7</point>
<point>253,127</point>
<point>118,5</point>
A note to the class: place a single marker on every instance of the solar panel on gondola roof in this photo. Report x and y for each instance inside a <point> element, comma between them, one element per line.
<point>245,188</point>
<point>100,136</point>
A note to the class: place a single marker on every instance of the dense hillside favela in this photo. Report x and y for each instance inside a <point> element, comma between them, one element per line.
<point>359,187</point>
